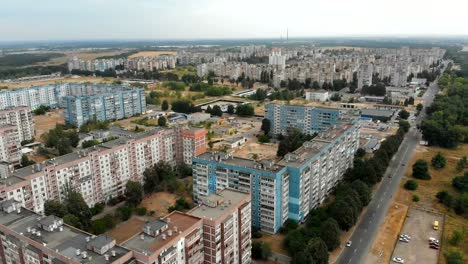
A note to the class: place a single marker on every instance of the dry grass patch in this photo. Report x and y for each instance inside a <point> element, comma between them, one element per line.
<point>159,203</point>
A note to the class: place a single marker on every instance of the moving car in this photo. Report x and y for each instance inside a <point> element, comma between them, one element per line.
<point>349,243</point>
<point>402,239</point>
<point>434,246</point>
<point>398,260</point>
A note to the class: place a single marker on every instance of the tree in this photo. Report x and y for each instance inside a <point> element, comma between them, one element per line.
<point>318,249</point>
<point>162,121</point>
<point>344,214</point>
<point>454,257</point>
<point>360,153</point>
<point>411,185</point>
<point>461,183</point>
<point>295,241</point>
<point>403,114</point>
<point>419,107</point>
<point>230,109</point>
<point>303,257</point>
<point>77,206</point>
<point>216,111</point>
<point>330,233</point>
<point>266,126</point>
<point>363,190</point>
<point>420,170</point>
<point>404,125</point>
<point>25,161</point>
<point>439,161</point>
<point>124,213</point>
<point>133,193</point>
<point>165,105</point>
<point>72,220</point>
<point>54,207</point>
<point>335,97</point>
<point>462,164</point>
<point>261,250</point>
<point>245,110</point>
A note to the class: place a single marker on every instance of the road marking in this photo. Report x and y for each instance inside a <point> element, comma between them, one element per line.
<point>378,206</point>
<point>355,250</point>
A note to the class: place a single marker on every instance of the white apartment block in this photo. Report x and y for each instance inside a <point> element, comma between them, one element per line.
<point>364,75</point>
<point>98,173</point>
<point>20,117</point>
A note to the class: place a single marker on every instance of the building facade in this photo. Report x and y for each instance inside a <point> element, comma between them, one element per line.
<point>20,117</point>
<point>285,189</point>
<point>217,232</point>
<point>364,75</point>
<point>194,143</point>
<point>308,120</point>
<point>98,173</point>
<point>10,145</point>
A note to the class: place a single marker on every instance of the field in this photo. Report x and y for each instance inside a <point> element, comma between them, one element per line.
<point>159,202</point>
<point>127,229</point>
<point>44,123</point>
<point>152,54</point>
<point>427,190</point>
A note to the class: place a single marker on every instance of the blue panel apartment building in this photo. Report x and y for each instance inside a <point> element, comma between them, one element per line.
<point>288,188</point>
<point>308,120</point>
<point>82,101</point>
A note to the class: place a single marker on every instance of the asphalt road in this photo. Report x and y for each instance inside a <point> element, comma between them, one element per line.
<point>367,229</point>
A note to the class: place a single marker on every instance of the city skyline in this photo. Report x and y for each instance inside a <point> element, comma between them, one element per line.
<point>208,19</point>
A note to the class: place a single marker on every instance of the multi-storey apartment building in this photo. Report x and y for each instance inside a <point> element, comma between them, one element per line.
<point>10,145</point>
<point>20,117</point>
<point>98,173</point>
<point>226,227</point>
<point>364,75</point>
<point>285,189</point>
<point>194,142</point>
<point>308,120</point>
<point>218,232</point>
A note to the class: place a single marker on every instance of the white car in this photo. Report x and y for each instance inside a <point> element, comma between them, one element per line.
<point>398,260</point>
<point>349,243</point>
<point>404,240</point>
<point>405,236</point>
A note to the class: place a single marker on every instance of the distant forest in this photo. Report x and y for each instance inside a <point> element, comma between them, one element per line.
<point>26,59</point>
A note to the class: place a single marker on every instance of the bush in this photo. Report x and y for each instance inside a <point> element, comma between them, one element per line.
<point>260,250</point>
<point>97,208</point>
<point>420,170</point>
<point>360,153</point>
<point>456,238</point>
<point>288,226</point>
<point>454,257</point>
<point>263,139</point>
<point>438,161</point>
<point>124,213</point>
<point>411,185</point>
<point>415,198</point>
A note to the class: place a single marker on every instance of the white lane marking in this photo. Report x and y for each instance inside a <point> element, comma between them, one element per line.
<point>355,250</point>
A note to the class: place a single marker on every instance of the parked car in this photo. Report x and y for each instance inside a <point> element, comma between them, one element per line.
<point>434,247</point>
<point>398,260</point>
<point>404,240</point>
<point>349,243</point>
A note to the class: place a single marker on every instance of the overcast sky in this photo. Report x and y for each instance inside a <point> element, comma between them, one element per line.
<point>200,19</point>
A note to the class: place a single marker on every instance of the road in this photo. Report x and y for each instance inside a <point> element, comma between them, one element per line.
<point>367,229</point>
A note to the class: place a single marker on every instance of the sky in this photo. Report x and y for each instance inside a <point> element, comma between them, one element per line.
<point>32,20</point>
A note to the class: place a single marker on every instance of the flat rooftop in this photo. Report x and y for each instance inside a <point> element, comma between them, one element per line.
<point>268,165</point>
<point>377,112</point>
<point>65,242</point>
<point>149,244</point>
<point>216,205</point>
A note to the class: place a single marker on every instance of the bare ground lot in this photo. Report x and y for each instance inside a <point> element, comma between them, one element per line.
<point>418,225</point>
<point>159,202</point>
<point>44,123</point>
<point>63,80</point>
<point>127,229</point>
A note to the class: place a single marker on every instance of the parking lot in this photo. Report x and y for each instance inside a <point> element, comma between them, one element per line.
<point>419,226</point>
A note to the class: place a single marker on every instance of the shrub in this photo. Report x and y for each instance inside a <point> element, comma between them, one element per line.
<point>411,185</point>
<point>420,170</point>
<point>415,198</point>
<point>261,250</point>
<point>439,161</point>
<point>141,211</point>
<point>263,139</point>
<point>124,213</point>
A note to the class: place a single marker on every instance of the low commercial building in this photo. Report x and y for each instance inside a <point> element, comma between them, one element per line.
<point>378,114</point>
<point>317,96</point>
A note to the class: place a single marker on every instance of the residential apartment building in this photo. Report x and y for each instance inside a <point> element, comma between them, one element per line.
<point>285,189</point>
<point>218,232</point>
<point>194,143</point>
<point>10,145</point>
<point>226,227</point>
<point>98,173</point>
<point>364,75</point>
<point>307,119</point>
<point>20,117</point>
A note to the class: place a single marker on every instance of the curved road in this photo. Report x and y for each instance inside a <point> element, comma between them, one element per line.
<point>367,229</point>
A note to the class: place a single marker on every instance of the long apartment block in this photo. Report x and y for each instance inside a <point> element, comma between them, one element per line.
<point>10,146</point>
<point>82,101</point>
<point>282,189</point>
<point>21,118</point>
<point>216,232</point>
<point>98,173</point>
<point>308,120</point>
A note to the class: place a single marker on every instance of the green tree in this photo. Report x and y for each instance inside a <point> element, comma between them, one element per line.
<point>261,250</point>
<point>462,164</point>
<point>415,198</point>
<point>245,110</point>
<point>25,161</point>
<point>54,207</point>
<point>438,161</point>
<point>461,183</point>
<point>344,214</point>
<point>165,105</point>
<point>404,125</point>
<point>230,109</point>
<point>77,206</point>
<point>360,153</point>
<point>454,257</point>
<point>133,193</point>
<point>420,170</point>
<point>411,185</point>
<point>318,249</point>
<point>330,233</point>
<point>72,220</point>
<point>124,213</point>
<point>419,107</point>
<point>363,190</point>
<point>162,121</point>
<point>403,114</point>
<point>303,257</point>
<point>216,111</point>
<point>266,126</point>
